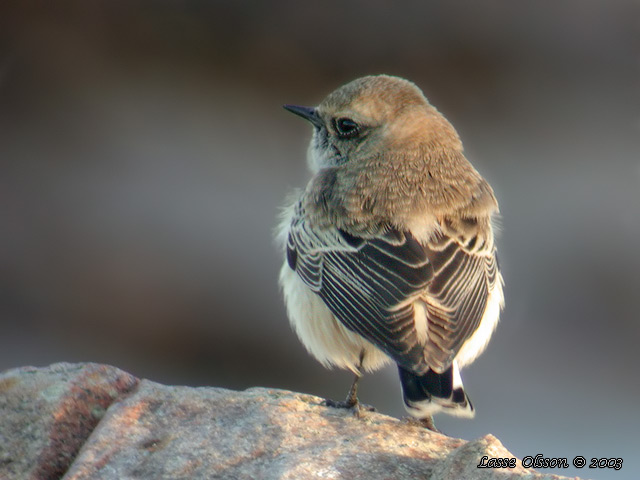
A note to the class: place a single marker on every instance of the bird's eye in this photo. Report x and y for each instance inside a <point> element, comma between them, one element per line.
<point>346,128</point>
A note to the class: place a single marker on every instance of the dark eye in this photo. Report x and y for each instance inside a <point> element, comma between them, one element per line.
<point>346,128</point>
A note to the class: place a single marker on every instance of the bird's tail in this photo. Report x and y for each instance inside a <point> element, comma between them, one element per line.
<point>434,392</point>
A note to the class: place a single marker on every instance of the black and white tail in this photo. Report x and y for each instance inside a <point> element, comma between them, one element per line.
<point>434,392</point>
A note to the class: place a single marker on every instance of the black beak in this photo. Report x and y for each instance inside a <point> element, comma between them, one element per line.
<point>308,113</point>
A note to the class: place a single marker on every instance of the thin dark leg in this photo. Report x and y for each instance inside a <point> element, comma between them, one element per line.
<point>351,401</point>
<point>352,397</point>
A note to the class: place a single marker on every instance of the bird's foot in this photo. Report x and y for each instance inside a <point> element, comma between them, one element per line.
<point>426,422</point>
<point>355,406</point>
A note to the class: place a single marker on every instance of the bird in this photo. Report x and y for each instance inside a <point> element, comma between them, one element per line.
<point>389,250</point>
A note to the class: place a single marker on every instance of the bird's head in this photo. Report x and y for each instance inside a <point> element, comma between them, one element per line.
<point>373,116</point>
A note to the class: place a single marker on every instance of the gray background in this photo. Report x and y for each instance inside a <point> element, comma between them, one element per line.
<point>144,155</point>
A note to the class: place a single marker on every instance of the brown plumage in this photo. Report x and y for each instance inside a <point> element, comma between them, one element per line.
<point>390,252</point>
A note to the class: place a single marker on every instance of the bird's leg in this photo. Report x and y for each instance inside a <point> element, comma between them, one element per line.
<point>351,401</point>
<point>425,422</point>
<point>352,396</point>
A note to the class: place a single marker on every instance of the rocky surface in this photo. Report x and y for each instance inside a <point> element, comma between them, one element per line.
<point>87,421</point>
<point>46,415</point>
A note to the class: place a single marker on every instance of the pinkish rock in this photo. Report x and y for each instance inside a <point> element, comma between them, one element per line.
<point>159,432</point>
<point>47,414</point>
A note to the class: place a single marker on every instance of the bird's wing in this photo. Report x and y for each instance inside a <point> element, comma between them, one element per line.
<point>371,285</point>
<point>465,271</point>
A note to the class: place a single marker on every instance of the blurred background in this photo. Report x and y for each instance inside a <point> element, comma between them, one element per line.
<point>144,155</point>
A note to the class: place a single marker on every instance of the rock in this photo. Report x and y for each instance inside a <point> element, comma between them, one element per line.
<point>152,431</point>
<point>47,414</point>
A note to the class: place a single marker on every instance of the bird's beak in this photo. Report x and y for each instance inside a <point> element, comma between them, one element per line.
<point>308,113</point>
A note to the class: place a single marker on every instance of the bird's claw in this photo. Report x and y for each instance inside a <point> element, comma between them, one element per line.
<point>426,422</point>
<point>355,406</point>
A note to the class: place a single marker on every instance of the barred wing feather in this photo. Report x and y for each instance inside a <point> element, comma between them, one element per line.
<point>371,285</point>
